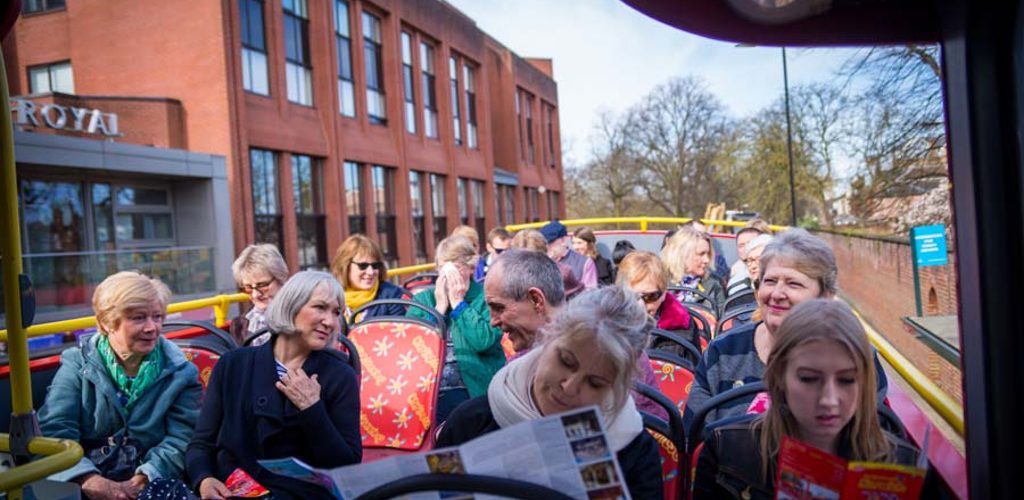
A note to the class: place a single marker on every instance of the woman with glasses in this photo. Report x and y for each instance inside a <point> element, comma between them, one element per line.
<point>473,354</point>
<point>260,271</point>
<point>646,275</point>
<point>359,265</point>
<point>127,394</point>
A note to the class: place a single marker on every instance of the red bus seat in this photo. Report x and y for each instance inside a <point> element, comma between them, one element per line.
<point>674,377</point>
<point>401,362</point>
<point>671,441</point>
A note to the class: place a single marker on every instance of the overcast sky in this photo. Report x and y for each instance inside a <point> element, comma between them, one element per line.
<point>607,56</point>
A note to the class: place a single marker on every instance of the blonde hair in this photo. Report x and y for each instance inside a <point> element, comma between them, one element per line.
<point>530,239</point>
<point>611,317</point>
<point>641,264</point>
<point>586,234</point>
<point>470,233</point>
<point>680,247</point>
<point>830,321</point>
<point>458,249</point>
<point>351,248</point>
<point>256,258</point>
<point>122,292</point>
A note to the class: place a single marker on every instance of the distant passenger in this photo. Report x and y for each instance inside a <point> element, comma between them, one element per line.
<point>126,394</point>
<point>523,290</point>
<point>498,240</point>
<point>588,356</point>
<point>752,229</point>
<point>359,265</point>
<point>753,260</point>
<point>688,257</point>
<point>796,267</point>
<point>285,398</point>
<point>259,270</point>
<point>473,354</point>
<point>621,250</point>
<point>531,239</point>
<point>819,377</point>
<point>558,249</point>
<point>468,232</point>
<point>719,268</point>
<point>585,243</point>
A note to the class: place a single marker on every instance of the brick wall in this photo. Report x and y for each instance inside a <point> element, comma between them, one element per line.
<point>876,277</point>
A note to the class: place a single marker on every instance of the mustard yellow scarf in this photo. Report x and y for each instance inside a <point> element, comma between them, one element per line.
<point>356,298</point>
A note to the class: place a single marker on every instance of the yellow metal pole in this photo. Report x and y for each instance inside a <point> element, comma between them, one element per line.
<point>59,454</point>
<point>10,249</point>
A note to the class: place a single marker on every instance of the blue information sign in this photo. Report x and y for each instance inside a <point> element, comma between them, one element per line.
<point>929,245</point>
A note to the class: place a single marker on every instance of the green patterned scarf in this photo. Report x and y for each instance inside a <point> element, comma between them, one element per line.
<point>130,387</point>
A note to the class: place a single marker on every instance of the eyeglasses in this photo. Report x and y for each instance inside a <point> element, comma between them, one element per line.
<point>363,265</point>
<point>651,297</point>
<point>261,287</point>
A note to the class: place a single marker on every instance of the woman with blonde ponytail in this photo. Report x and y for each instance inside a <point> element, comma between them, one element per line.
<point>820,378</point>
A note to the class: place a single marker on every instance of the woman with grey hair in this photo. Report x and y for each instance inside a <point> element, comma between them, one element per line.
<point>285,398</point>
<point>260,271</point>
<point>795,267</point>
<point>586,356</point>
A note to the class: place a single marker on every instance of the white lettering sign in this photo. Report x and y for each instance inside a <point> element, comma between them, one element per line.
<point>55,116</point>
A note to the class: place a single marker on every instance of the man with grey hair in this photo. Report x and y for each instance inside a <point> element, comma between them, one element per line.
<point>523,289</point>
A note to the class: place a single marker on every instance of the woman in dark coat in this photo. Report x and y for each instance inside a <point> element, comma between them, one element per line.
<point>285,398</point>
<point>574,367</point>
<point>585,243</point>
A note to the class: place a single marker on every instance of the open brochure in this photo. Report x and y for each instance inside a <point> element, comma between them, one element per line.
<point>566,452</point>
<point>806,472</point>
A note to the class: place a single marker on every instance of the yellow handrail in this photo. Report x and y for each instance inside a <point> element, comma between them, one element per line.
<point>61,454</point>
<point>932,394</point>
<point>221,304</point>
<point>643,221</point>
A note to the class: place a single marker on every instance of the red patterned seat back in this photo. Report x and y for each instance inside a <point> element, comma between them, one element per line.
<point>204,359</point>
<point>401,367</point>
<point>693,468</point>
<point>674,380</point>
<point>669,455</point>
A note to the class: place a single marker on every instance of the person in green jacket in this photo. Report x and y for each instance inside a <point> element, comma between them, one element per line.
<point>473,352</point>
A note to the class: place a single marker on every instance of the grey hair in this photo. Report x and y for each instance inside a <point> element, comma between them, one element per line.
<point>806,253</point>
<point>524,269</point>
<point>760,240</point>
<point>613,318</point>
<point>262,257</point>
<point>295,293</point>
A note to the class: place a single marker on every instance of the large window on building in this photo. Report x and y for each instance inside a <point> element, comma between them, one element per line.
<point>373,57</point>
<point>438,207</point>
<point>479,220</point>
<point>528,115</point>
<point>55,77</point>
<point>33,6</point>
<point>384,207</point>
<point>462,197</point>
<point>309,218</point>
<point>453,79</point>
<point>429,89</point>
<point>298,65</point>
<point>532,196</point>
<point>469,81</point>
<point>419,235</point>
<point>510,204</point>
<point>143,216</point>
<point>53,215</point>
<point>254,47</point>
<point>519,125</point>
<point>549,123</point>
<point>343,42</point>
<point>355,203</point>
<point>408,84</point>
<point>263,165</point>
<point>553,205</point>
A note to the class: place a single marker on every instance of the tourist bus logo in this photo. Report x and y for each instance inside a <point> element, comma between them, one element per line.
<point>55,116</point>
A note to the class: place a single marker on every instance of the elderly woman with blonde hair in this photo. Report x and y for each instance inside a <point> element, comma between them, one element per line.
<point>688,255</point>
<point>127,394</point>
<point>260,271</point>
<point>473,354</point>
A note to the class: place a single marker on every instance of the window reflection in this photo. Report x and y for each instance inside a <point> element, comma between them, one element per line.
<point>54,216</point>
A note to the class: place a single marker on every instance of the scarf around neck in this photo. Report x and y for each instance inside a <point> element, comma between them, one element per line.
<point>511,402</point>
<point>355,298</point>
<point>130,388</point>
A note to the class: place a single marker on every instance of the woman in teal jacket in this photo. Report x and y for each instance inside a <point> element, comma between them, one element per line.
<point>473,354</point>
<point>127,394</point>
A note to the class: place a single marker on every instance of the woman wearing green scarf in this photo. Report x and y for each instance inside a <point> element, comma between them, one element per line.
<point>127,394</point>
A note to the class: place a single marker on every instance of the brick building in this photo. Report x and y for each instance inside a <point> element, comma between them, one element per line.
<point>397,118</point>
